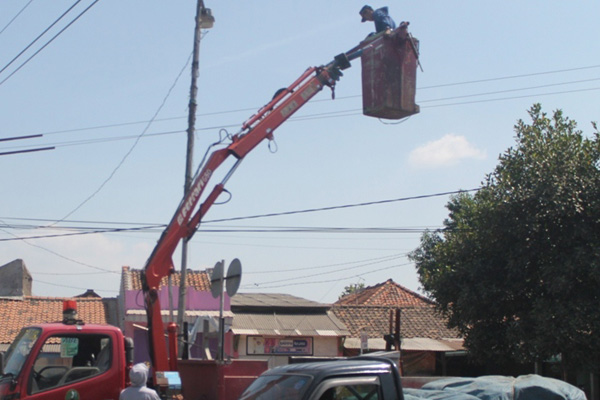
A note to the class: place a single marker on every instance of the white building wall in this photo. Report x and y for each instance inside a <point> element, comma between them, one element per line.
<point>323,346</point>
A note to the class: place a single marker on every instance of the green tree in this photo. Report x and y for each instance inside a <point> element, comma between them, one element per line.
<point>517,267</point>
<point>352,288</point>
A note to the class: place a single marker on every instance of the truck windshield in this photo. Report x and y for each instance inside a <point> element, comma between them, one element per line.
<point>276,387</point>
<point>19,350</point>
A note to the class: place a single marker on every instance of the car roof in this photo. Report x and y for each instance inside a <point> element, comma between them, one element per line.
<point>322,369</point>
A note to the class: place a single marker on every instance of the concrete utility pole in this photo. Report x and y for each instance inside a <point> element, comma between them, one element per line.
<point>204,20</point>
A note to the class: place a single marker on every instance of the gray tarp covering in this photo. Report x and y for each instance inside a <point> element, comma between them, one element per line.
<point>527,387</point>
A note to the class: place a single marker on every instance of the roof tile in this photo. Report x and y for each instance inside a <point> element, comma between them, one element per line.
<point>388,293</point>
<point>31,310</point>
<point>421,322</point>
<point>199,280</point>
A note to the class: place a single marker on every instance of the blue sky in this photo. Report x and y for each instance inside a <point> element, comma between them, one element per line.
<point>93,90</point>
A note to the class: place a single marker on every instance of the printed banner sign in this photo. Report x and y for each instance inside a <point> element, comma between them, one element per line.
<point>260,345</point>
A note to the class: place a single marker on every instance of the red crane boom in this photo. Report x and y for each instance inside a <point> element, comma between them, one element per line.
<point>184,223</point>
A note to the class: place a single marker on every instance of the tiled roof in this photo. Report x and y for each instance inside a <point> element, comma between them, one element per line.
<point>388,293</point>
<point>199,280</point>
<point>17,313</point>
<point>415,322</point>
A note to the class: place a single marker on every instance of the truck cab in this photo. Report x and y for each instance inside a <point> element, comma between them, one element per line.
<point>65,360</point>
<point>350,379</point>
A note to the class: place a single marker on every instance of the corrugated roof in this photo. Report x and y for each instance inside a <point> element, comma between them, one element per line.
<point>388,293</point>
<point>199,280</point>
<point>416,322</point>
<point>274,324</point>
<point>409,344</point>
<point>31,310</point>
<point>190,315</point>
<point>273,300</point>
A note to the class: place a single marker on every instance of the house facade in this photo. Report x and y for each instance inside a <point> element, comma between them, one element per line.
<point>18,311</point>
<point>427,346</point>
<point>201,315</point>
<point>277,326</point>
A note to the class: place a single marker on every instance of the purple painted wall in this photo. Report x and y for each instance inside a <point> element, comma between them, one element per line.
<point>195,300</point>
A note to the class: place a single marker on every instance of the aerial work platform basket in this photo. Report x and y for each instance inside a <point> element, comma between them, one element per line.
<point>389,74</point>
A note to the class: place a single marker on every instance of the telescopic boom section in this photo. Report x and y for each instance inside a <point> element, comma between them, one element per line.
<point>184,223</point>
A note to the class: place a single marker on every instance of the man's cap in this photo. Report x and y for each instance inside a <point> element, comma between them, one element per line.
<point>362,10</point>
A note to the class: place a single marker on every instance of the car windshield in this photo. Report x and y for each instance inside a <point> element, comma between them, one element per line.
<point>275,387</point>
<point>19,350</point>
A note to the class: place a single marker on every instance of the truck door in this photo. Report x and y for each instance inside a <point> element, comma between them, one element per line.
<point>74,366</point>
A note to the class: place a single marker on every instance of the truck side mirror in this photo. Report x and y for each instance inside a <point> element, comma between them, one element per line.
<point>1,363</point>
<point>128,350</point>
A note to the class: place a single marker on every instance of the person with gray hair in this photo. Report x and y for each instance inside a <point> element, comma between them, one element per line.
<point>138,376</point>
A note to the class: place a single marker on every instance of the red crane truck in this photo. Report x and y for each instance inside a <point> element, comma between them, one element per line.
<point>75,360</point>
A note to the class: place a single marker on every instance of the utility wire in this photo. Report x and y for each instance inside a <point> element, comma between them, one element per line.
<point>133,146</point>
<point>512,98</point>
<point>510,77</point>
<point>277,229</point>
<point>334,114</point>
<point>55,253</point>
<point>279,270</point>
<point>345,269</point>
<point>315,116</point>
<point>39,36</point>
<point>74,287</point>
<point>15,17</point>
<point>8,153</point>
<point>370,203</point>
<point>511,90</point>
<point>48,42</point>
<point>259,286</point>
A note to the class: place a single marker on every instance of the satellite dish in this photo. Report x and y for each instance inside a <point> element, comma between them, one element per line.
<point>216,280</point>
<point>234,277</point>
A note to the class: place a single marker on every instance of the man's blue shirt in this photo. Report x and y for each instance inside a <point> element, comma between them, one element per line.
<point>382,20</point>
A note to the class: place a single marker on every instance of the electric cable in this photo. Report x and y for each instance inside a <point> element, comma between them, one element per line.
<point>344,112</point>
<point>334,114</point>
<point>258,286</point>
<point>133,146</point>
<point>512,98</point>
<point>39,36</point>
<point>323,273</point>
<point>369,203</point>
<point>74,287</point>
<point>295,212</point>
<point>279,270</point>
<point>57,254</point>
<point>48,42</point>
<point>15,17</point>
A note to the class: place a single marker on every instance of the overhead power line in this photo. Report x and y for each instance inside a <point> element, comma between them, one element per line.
<point>556,71</point>
<point>74,287</point>
<point>6,153</point>
<point>153,227</point>
<point>283,270</point>
<point>39,36</point>
<point>341,113</point>
<point>114,171</point>
<point>259,286</point>
<point>15,17</point>
<point>345,270</point>
<point>369,203</point>
<point>55,253</point>
<point>48,42</point>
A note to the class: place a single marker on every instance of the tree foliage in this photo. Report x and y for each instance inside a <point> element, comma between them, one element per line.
<point>352,288</point>
<point>517,267</point>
